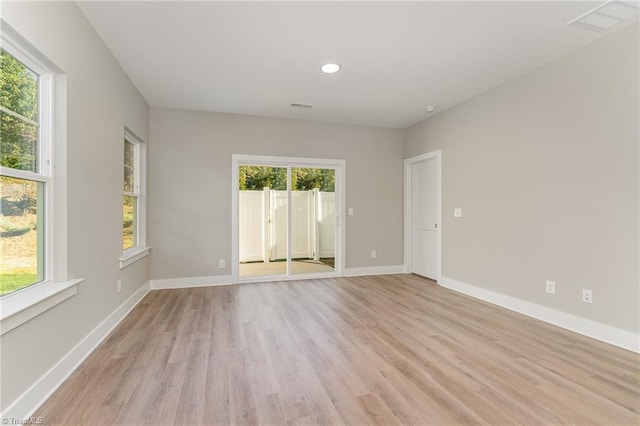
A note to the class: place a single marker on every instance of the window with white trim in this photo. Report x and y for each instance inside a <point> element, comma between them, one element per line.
<point>133,200</point>
<point>26,179</point>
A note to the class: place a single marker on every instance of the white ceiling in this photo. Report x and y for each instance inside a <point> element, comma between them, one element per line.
<point>397,57</point>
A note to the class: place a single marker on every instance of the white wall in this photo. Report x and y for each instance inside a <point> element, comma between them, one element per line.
<point>190,184</point>
<point>545,169</point>
<point>100,102</point>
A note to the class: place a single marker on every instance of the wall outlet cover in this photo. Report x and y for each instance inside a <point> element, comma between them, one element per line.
<point>550,287</point>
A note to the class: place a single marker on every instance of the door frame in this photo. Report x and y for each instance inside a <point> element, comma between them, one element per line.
<point>290,162</point>
<point>408,171</point>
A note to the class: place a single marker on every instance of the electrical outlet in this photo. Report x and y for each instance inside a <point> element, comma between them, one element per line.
<point>373,254</point>
<point>587,296</point>
<point>222,263</point>
<point>551,287</point>
<point>119,286</point>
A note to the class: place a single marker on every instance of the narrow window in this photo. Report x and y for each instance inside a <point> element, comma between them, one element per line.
<point>130,199</point>
<point>133,200</point>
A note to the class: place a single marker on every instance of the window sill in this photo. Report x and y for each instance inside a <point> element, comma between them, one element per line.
<point>20,307</point>
<point>133,255</point>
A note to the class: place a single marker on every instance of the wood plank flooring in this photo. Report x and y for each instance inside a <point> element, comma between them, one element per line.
<point>384,350</point>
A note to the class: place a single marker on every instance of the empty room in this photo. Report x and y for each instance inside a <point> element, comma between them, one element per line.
<point>320,212</point>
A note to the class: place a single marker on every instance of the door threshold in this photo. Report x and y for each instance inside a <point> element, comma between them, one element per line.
<point>273,278</point>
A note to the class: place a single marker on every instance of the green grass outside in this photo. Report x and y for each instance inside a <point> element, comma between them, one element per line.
<point>13,282</point>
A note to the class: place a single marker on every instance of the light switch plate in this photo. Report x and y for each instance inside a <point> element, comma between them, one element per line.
<point>350,211</point>
<point>457,212</point>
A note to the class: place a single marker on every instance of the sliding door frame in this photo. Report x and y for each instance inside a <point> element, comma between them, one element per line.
<point>238,160</point>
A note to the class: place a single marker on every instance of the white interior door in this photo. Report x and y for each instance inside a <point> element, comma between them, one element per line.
<point>424,218</point>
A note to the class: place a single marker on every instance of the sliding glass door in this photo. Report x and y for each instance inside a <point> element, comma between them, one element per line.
<point>287,217</point>
<point>313,220</point>
<point>262,225</point>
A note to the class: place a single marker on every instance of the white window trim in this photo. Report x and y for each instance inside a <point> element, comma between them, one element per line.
<point>44,172</point>
<point>21,306</point>
<point>132,255</point>
<point>140,250</point>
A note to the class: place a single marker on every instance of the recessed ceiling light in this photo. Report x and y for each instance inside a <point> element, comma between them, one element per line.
<point>330,68</point>
<point>431,108</point>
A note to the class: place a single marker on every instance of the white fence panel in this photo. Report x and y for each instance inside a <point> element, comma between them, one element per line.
<point>302,234</point>
<point>278,221</point>
<point>326,217</point>
<point>251,221</point>
<point>263,225</point>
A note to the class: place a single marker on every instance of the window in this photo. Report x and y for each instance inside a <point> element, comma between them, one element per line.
<point>26,187</point>
<point>33,190</point>
<point>133,201</point>
<point>131,196</point>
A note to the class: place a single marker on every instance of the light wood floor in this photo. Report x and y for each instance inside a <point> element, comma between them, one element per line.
<point>381,350</point>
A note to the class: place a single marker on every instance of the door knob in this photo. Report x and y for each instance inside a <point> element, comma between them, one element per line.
<point>436,225</point>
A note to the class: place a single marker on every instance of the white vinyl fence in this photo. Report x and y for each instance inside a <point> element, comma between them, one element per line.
<point>263,225</point>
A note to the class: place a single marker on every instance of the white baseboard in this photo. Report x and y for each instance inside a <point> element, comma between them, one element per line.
<point>374,270</point>
<point>605,333</point>
<point>27,403</point>
<point>212,280</point>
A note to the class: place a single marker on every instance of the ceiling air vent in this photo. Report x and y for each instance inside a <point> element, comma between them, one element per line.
<point>606,16</point>
<point>307,106</point>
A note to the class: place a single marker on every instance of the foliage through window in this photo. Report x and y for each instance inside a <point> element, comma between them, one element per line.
<point>25,180</point>
<point>256,178</point>
<point>131,195</point>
